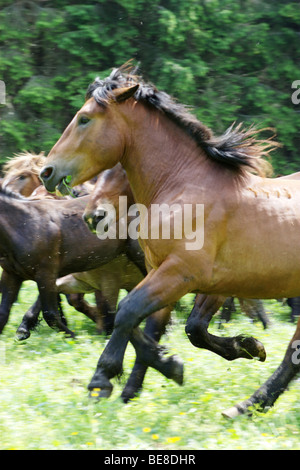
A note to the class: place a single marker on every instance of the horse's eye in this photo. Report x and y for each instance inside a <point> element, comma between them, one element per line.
<point>22,177</point>
<point>83,120</point>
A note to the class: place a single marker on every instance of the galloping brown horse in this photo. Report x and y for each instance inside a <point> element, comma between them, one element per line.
<point>251,223</point>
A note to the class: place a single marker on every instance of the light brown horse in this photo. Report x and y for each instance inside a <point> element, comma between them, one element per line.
<point>251,223</point>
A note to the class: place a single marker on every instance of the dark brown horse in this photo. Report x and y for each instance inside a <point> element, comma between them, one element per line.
<point>37,242</point>
<point>21,175</point>
<point>43,240</point>
<point>172,158</point>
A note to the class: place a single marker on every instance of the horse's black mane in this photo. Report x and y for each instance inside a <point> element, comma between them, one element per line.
<point>236,148</point>
<point>125,76</point>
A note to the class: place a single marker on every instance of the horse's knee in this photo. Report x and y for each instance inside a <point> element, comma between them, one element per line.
<point>195,333</point>
<point>127,316</point>
<point>124,319</point>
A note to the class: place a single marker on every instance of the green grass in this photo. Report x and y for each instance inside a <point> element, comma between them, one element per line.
<point>44,401</point>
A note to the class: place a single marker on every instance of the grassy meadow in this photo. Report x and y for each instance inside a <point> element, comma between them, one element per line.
<point>44,402</point>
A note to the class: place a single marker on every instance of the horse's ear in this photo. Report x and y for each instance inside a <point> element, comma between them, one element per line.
<point>122,94</point>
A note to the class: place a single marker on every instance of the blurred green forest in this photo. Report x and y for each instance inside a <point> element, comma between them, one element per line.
<point>232,60</point>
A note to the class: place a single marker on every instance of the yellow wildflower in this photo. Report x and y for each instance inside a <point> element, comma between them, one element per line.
<point>173,439</point>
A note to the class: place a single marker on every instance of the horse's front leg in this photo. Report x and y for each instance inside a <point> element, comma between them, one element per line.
<point>10,287</point>
<point>159,289</point>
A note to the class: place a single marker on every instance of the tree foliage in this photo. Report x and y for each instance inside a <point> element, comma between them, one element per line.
<point>231,60</point>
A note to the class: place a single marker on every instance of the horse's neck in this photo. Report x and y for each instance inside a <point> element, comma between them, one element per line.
<point>161,157</point>
<point>14,214</point>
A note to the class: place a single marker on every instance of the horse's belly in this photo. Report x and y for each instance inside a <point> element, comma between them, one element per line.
<point>259,267</point>
<point>261,284</point>
<point>259,250</point>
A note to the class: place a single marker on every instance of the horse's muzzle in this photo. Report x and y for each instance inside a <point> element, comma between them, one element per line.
<point>52,181</point>
<point>47,177</point>
<point>46,173</point>
<point>92,219</point>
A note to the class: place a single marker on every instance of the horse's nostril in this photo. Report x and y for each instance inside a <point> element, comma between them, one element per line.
<point>46,173</point>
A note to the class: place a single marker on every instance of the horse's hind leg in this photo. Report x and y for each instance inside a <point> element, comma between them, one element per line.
<point>29,321</point>
<point>52,312</point>
<point>267,394</point>
<point>230,348</point>
<point>155,328</point>
<point>254,308</point>
<point>227,308</point>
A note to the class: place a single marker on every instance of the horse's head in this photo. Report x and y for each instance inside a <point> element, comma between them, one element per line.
<point>21,173</point>
<point>23,182</point>
<point>95,140</point>
<point>110,198</point>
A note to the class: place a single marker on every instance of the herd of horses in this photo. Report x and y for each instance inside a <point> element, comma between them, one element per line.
<point>130,139</point>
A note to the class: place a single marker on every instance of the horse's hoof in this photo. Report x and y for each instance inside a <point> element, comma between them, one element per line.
<point>22,334</point>
<point>97,393</point>
<point>126,398</point>
<point>250,348</point>
<point>129,394</point>
<point>245,407</point>
<point>100,387</point>
<point>177,370</point>
<point>70,334</point>
<point>232,412</point>
<point>261,351</point>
